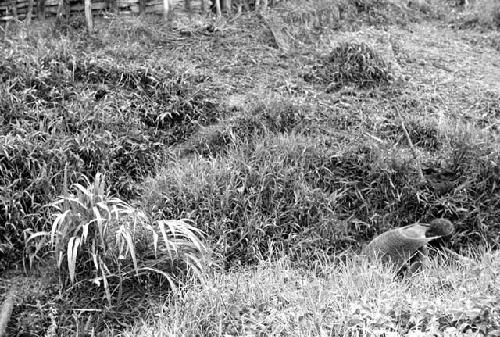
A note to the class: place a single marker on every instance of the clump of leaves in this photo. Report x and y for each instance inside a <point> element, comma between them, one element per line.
<point>351,64</point>
<point>100,238</point>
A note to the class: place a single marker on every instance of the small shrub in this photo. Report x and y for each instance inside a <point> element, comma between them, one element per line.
<point>351,64</point>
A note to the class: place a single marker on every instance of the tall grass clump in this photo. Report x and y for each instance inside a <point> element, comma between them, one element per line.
<point>351,64</point>
<point>287,191</point>
<point>303,193</point>
<point>247,201</point>
<point>103,240</point>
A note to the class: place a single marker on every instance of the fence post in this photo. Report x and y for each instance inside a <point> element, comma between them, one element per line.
<point>30,12</point>
<point>142,6</point>
<point>41,10</point>
<point>166,8</point>
<point>60,6</point>
<point>217,8</point>
<point>187,7</point>
<point>88,15</point>
<point>13,8</point>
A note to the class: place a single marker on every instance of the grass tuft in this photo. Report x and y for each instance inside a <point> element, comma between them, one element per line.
<point>351,64</point>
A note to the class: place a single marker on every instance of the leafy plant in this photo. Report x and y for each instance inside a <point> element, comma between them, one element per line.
<point>99,237</point>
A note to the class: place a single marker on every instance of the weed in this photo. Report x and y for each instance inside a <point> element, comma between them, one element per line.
<point>103,239</point>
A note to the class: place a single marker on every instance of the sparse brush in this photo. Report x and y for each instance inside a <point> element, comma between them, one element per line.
<point>101,238</point>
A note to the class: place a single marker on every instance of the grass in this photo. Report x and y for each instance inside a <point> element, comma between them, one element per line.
<point>344,298</point>
<point>278,135</point>
<point>68,109</point>
<point>296,187</point>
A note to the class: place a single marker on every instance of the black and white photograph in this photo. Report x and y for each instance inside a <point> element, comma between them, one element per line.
<point>253,168</point>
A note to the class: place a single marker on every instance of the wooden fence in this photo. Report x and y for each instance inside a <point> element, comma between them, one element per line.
<point>41,9</point>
